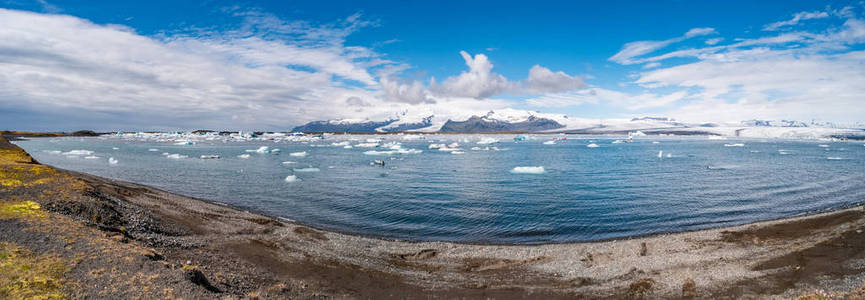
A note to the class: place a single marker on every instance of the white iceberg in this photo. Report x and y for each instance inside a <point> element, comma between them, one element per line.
<point>592,145</point>
<point>347,147</point>
<point>343,143</point>
<point>288,162</point>
<point>307,170</point>
<point>823,146</point>
<point>78,153</point>
<point>244,156</point>
<point>262,149</point>
<point>367,145</point>
<point>115,148</point>
<point>457,152</point>
<point>437,146</point>
<point>550,143</point>
<point>528,170</point>
<point>153,150</point>
<point>835,158</point>
<point>298,154</point>
<point>91,157</point>
<point>291,178</point>
<point>487,141</point>
<point>211,156</point>
<point>734,145</point>
<point>53,151</point>
<point>176,156</point>
<point>112,161</point>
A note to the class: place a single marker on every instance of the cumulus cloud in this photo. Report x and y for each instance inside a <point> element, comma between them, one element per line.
<point>411,93</point>
<point>479,82</point>
<point>631,50</point>
<point>800,16</point>
<point>543,80</point>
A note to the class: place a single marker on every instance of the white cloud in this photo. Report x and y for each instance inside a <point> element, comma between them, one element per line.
<point>411,93</point>
<point>542,80</point>
<point>479,82</point>
<point>805,15</point>
<point>632,50</point>
<point>616,98</point>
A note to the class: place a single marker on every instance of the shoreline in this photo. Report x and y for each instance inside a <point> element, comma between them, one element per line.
<point>240,253</point>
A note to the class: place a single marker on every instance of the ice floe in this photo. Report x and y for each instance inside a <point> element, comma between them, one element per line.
<point>112,161</point>
<point>288,163</point>
<point>91,157</point>
<point>78,153</point>
<point>262,149</point>
<point>367,145</point>
<point>487,141</point>
<point>592,145</point>
<point>291,178</point>
<point>298,154</point>
<point>153,150</point>
<point>244,156</point>
<point>528,170</point>
<point>734,145</point>
<point>210,156</point>
<point>305,170</point>
<point>823,146</point>
<point>835,158</point>
<point>550,143</point>
<point>176,156</point>
<point>340,144</point>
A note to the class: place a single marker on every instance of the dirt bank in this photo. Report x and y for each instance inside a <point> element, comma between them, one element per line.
<point>83,235</point>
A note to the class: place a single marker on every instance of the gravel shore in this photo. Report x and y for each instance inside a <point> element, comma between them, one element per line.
<point>119,240</point>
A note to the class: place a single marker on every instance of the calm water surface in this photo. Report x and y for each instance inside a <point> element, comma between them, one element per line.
<point>614,190</point>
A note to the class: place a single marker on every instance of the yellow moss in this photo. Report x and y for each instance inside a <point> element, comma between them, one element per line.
<point>10,182</point>
<point>27,276</point>
<point>24,209</point>
<point>13,156</point>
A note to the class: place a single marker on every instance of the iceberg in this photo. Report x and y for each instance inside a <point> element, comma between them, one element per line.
<point>734,145</point>
<point>244,156</point>
<point>307,170</point>
<point>592,145</point>
<point>367,145</point>
<point>153,150</point>
<point>53,151</point>
<point>262,149</point>
<point>298,154</point>
<point>661,154</point>
<point>528,170</point>
<point>291,178</point>
<point>185,143</point>
<point>212,156</point>
<point>288,162</point>
<point>550,143</point>
<point>112,161</point>
<point>835,158</point>
<point>487,141</point>
<point>656,142</point>
<point>91,157</point>
<point>115,148</point>
<point>343,143</point>
<point>437,146</point>
<point>176,156</point>
<point>78,153</point>
<point>457,152</point>
<point>347,147</point>
<point>716,137</point>
<point>823,146</point>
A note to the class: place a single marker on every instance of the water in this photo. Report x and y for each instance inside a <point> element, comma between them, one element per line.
<point>613,191</point>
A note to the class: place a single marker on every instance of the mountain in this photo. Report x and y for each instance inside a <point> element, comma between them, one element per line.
<point>511,120</point>
<point>483,124</point>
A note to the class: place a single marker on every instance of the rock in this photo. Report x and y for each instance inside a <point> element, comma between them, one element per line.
<point>195,276</point>
<point>689,288</point>
<point>643,249</point>
<point>640,288</point>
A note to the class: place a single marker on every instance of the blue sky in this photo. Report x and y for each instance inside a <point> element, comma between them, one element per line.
<point>272,65</point>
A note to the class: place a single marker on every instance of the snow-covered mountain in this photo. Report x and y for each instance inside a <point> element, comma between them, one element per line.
<point>511,120</point>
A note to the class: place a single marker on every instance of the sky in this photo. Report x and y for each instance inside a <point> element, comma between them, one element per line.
<point>260,65</point>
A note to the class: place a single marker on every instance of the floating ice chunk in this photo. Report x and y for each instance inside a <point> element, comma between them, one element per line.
<point>618,141</point>
<point>176,156</point>
<point>454,145</point>
<point>457,152</point>
<point>115,148</point>
<point>343,143</point>
<point>835,158</point>
<point>91,157</point>
<point>153,150</point>
<point>367,145</point>
<point>244,156</point>
<point>661,154</point>
<point>112,161</point>
<point>53,151</point>
<point>528,170</point>
<point>347,147</point>
<point>592,145</point>
<point>392,152</point>
<point>211,156</point>
<point>291,178</point>
<point>185,143</point>
<point>520,138</point>
<point>734,145</point>
<point>755,151</point>
<point>638,133</point>
<point>377,162</point>
<point>437,146</point>
<point>307,170</point>
<point>716,137</point>
<point>487,141</point>
<point>783,152</point>
<point>550,143</point>
<point>656,142</point>
<point>275,151</point>
<point>262,149</point>
<point>373,152</point>
<point>823,146</point>
<point>78,152</point>
<point>373,141</point>
<point>298,154</point>
<point>288,163</point>
<point>476,148</point>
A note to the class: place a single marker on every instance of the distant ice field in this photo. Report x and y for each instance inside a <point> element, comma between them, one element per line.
<point>506,189</point>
